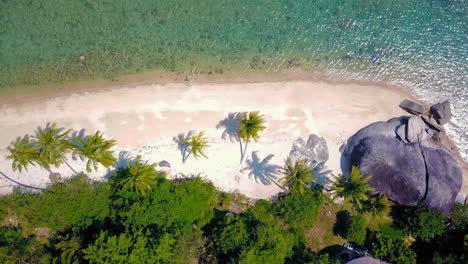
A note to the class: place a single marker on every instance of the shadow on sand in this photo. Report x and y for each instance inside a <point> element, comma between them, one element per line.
<point>122,162</point>
<point>182,146</point>
<point>231,126</point>
<point>261,170</point>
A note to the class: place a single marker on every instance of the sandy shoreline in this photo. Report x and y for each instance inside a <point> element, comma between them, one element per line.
<point>144,117</point>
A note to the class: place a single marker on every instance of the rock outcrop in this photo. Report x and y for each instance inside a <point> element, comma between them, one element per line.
<point>441,112</point>
<point>315,150</point>
<point>407,162</point>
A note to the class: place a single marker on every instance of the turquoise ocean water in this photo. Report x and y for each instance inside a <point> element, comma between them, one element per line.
<point>419,44</point>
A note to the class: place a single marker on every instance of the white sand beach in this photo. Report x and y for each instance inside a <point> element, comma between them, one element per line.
<point>144,119</point>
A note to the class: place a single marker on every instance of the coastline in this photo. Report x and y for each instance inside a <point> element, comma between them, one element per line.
<point>295,104</point>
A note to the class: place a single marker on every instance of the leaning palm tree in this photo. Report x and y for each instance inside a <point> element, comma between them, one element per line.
<point>22,153</point>
<point>138,176</point>
<point>96,149</point>
<point>353,189</point>
<point>297,175</point>
<point>196,144</point>
<point>52,145</point>
<point>250,125</point>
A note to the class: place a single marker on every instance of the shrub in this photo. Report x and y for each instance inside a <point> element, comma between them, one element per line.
<point>396,251</point>
<point>356,231</point>
<point>300,211</point>
<point>425,223</point>
<point>231,235</point>
<point>459,216</point>
<point>74,204</point>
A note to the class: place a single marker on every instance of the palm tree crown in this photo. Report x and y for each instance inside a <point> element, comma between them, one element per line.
<point>378,206</point>
<point>52,145</point>
<point>22,154</point>
<point>353,189</point>
<point>297,175</point>
<point>197,144</point>
<point>138,176</point>
<point>250,125</point>
<point>96,149</point>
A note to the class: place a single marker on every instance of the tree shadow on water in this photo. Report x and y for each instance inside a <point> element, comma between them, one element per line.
<point>261,170</point>
<point>231,126</point>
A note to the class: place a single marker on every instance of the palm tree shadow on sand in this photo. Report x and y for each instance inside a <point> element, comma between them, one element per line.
<point>261,170</point>
<point>182,146</point>
<point>74,140</point>
<point>231,126</point>
<point>321,172</point>
<point>123,160</point>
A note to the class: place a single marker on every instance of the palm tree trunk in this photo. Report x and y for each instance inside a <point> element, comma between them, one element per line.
<point>241,150</point>
<point>21,184</point>
<point>245,151</point>
<point>65,161</point>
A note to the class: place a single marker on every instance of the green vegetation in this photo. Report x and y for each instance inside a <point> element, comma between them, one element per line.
<point>353,189</point>
<point>459,216</point>
<point>196,145</point>
<point>50,146</point>
<point>96,149</point>
<point>423,223</point>
<point>138,216</point>
<point>250,125</point>
<point>357,229</point>
<point>395,251</point>
<point>137,176</point>
<point>377,206</point>
<point>297,176</point>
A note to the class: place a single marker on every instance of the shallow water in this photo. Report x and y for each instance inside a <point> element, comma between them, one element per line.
<point>420,44</point>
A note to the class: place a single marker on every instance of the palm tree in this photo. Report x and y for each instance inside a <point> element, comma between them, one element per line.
<point>378,206</point>
<point>52,145</point>
<point>96,149</point>
<point>138,176</point>
<point>196,144</point>
<point>22,154</point>
<point>249,126</point>
<point>297,175</point>
<point>353,189</point>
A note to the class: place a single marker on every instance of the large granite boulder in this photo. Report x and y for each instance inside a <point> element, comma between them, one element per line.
<point>441,112</point>
<point>315,150</point>
<point>410,171</point>
<point>412,107</point>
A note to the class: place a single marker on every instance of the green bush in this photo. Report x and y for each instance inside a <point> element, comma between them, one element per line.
<point>16,249</point>
<point>394,251</point>
<point>356,231</point>
<point>459,216</point>
<point>300,211</point>
<point>425,223</point>
<point>271,245</point>
<point>231,235</point>
<point>74,204</point>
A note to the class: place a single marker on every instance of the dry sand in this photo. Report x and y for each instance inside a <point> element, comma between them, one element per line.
<point>145,118</point>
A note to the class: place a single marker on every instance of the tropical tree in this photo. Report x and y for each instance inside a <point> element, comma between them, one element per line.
<point>250,125</point>
<point>196,144</point>
<point>22,153</point>
<point>52,144</point>
<point>96,149</point>
<point>138,176</point>
<point>377,206</point>
<point>353,189</point>
<point>297,175</point>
